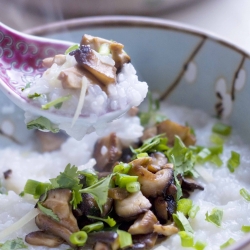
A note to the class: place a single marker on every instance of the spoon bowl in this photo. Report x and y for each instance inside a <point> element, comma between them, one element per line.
<point>21,58</point>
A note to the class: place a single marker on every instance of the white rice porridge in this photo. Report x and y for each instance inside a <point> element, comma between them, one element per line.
<point>221,187</point>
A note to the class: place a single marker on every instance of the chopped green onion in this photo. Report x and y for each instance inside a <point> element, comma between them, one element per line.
<point>215,216</point>
<point>216,149</point>
<point>56,103</point>
<point>187,239</point>
<point>141,155</point>
<point>122,168</point>
<point>193,211</point>
<point>216,160</point>
<point>36,188</point>
<point>227,244</point>
<point>222,129</point>
<point>216,139</point>
<point>234,161</point>
<point>184,205</point>
<point>71,48</point>
<point>122,180</point>
<point>78,238</point>
<point>125,239</point>
<point>133,187</point>
<point>245,229</point>
<point>204,155</point>
<point>22,194</point>
<point>97,226</point>
<point>199,245</point>
<point>182,222</point>
<point>110,221</point>
<point>245,194</point>
<point>104,49</point>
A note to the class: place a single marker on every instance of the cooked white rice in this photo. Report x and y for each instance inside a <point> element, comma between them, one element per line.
<point>222,190</point>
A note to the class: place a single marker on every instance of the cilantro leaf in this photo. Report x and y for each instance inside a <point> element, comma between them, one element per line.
<point>42,123</point>
<point>99,191</point>
<point>69,179</point>
<point>13,244</point>
<point>110,221</point>
<point>182,222</point>
<point>90,175</point>
<point>47,211</point>
<point>215,216</point>
<point>156,143</point>
<point>184,159</point>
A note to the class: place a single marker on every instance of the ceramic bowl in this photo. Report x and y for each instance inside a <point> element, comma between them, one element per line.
<point>185,65</point>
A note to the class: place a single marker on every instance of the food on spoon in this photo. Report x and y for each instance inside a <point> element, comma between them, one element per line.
<point>92,81</point>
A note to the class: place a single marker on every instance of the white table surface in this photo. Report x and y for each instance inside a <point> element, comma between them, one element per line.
<point>229,19</point>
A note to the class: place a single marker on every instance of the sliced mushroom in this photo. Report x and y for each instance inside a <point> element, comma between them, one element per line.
<point>71,78</point>
<point>88,59</point>
<point>159,160</point>
<point>101,246</point>
<point>51,226</point>
<point>172,205</point>
<point>49,141</point>
<point>118,193</point>
<point>135,203</point>
<point>144,224</point>
<point>107,151</point>
<point>88,206</point>
<point>171,129</point>
<point>161,209</point>
<point>116,49</point>
<point>148,240</point>
<point>190,184</point>
<point>165,230</point>
<point>58,59</point>
<point>40,238</point>
<point>152,184</point>
<point>109,238</point>
<point>149,133</point>
<point>58,200</point>
<point>133,111</point>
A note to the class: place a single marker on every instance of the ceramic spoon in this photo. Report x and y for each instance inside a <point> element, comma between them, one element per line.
<point>21,61</point>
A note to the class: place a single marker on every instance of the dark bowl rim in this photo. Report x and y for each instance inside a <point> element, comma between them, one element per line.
<point>129,21</point>
<point>140,21</point>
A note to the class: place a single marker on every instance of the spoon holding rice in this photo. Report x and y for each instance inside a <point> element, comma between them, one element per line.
<point>78,88</point>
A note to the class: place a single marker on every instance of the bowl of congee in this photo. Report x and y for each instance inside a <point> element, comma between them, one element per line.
<point>171,172</point>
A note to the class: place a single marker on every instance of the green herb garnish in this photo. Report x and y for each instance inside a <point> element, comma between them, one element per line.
<point>234,161</point>
<point>33,96</point>
<point>187,239</point>
<point>215,216</point>
<point>47,211</point>
<point>78,238</point>
<point>110,221</point>
<point>13,244</point>
<point>97,226</point>
<point>199,245</point>
<point>57,103</point>
<point>26,86</point>
<point>193,211</point>
<point>71,48</point>
<point>182,222</point>
<point>125,239</point>
<point>222,129</point>
<point>42,123</point>
<point>227,244</point>
<point>184,206</point>
<point>36,188</point>
<point>245,228</point>
<point>245,194</point>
